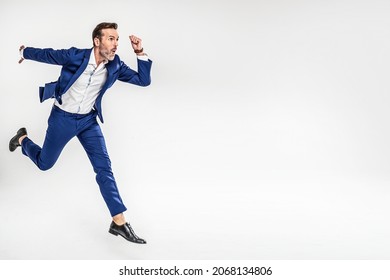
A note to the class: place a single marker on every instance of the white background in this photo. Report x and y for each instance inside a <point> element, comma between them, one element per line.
<point>264,133</point>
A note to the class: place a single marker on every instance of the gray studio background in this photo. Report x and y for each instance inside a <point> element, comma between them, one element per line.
<point>264,134</point>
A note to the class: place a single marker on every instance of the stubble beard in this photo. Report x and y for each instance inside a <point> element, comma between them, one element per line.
<point>107,54</point>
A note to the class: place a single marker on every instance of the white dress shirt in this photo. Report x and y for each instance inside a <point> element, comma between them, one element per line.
<point>81,96</point>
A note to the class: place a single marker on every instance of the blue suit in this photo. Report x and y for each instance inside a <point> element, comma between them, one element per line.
<point>63,126</point>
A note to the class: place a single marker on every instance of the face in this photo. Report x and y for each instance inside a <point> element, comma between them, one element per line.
<point>107,44</point>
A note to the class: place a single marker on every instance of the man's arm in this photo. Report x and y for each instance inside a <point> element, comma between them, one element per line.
<point>50,56</point>
<point>142,77</point>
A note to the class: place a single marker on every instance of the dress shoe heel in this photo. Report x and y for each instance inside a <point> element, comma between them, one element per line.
<point>113,232</point>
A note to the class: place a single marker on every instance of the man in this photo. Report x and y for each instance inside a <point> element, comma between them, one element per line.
<point>85,76</point>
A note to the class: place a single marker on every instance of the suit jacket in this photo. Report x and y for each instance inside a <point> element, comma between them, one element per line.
<point>74,61</point>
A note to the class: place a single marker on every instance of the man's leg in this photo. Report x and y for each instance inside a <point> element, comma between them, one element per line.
<point>93,142</point>
<point>60,130</point>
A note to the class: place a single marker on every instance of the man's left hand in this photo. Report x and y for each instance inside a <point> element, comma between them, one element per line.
<point>136,43</point>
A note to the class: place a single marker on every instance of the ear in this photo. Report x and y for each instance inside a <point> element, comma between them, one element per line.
<point>96,41</point>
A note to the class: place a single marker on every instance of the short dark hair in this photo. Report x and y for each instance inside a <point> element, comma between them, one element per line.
<point>97,32</point>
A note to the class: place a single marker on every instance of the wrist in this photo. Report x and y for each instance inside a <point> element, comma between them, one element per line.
<point>138,52</point>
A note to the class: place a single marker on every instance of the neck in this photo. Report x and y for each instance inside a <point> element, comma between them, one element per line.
<point>99,59</point>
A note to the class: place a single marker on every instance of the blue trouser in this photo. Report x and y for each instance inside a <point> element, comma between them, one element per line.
<point>62,127</point>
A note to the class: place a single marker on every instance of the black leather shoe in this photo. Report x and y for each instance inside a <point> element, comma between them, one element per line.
<point>14,142</point>
<point>126,232</point>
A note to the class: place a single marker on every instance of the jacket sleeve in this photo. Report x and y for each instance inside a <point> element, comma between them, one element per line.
<point>50,56</point>
<point>140,78</point>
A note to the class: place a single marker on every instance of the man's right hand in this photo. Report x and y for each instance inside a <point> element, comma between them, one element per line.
<point>22,47</point>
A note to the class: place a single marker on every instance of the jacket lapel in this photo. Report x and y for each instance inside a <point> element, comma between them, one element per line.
<point>111,67</point>
<point>79,71</point>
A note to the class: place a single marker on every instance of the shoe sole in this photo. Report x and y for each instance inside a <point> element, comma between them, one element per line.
<point>21,132</point>
<point>116,234</point>
<point>12,147</point>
